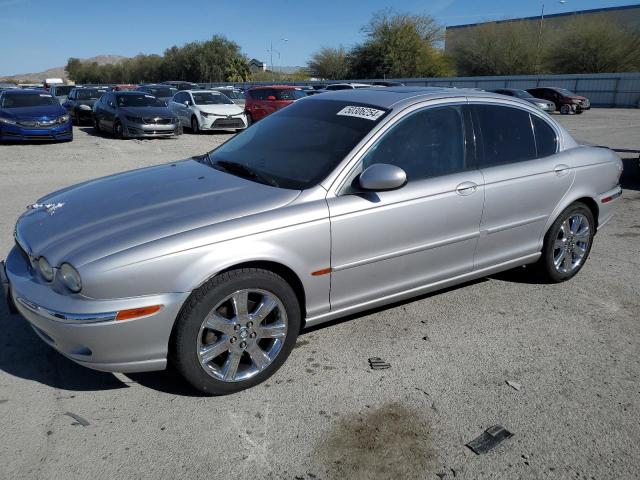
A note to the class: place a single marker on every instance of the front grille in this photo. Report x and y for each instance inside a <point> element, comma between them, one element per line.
<point>157,121</point>
<point>229,123</point>
<point>36,123</point>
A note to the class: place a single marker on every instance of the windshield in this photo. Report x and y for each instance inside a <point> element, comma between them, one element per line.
<point>233,94</point>
<point>63,90</point>
<point>162,91</point>
<point>89,94</point>
<point>139,100</point>
<point>298,146</point>
<point>10,100</point>
<point>566,92</point>
<point>210,98</point>
<point>522,94</point>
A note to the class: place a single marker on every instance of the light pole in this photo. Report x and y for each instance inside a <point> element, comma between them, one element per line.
<point>562,2</point>
<point>271,52</point>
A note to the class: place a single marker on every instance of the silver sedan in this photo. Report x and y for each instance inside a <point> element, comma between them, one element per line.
<point>336,204</point>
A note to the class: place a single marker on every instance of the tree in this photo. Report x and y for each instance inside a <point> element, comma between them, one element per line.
<point>399,45</point>
<point>329,63</point>
<point>593,45</point>
<point>508,48</point>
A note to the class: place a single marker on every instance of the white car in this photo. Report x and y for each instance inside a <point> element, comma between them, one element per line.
<point>207,110</point>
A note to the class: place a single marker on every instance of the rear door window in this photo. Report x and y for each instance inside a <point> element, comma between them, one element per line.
<point>506,133</point>
<point>546,138</point>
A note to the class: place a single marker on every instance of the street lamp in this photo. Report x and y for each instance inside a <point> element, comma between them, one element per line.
<point>271,52</point>
<point>561,2</point>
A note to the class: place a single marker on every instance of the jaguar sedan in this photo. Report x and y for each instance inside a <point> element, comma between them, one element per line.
<point>339,203</point>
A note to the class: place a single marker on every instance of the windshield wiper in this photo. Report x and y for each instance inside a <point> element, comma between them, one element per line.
<point>242,171</point>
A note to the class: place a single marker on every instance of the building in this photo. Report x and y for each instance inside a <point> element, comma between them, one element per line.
<point>257,66</point>
<point>627,16</point>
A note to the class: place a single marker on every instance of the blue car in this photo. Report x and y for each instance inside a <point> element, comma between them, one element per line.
<point>27,115</point>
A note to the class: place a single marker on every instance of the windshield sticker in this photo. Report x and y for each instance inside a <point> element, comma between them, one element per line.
<point>45,95</point>
<point>149,96</point>
<point>361,112</point>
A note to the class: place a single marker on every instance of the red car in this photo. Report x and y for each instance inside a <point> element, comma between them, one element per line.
<point>263,101</point>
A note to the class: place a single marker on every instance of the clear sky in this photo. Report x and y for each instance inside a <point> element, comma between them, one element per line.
<point>38,34</point>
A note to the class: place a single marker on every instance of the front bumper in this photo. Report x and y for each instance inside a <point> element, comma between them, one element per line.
<point>136,130</point>
<point>237,122</point>
<point>80,328</point>
<point>21,134</point>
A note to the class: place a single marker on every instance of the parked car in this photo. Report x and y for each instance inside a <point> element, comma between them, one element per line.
<point>566,101</point>
<point>7,86</point>
<point>61,91</point>
<point>33,115</point>
<point>179,85</point>
<point>123,87</point>
<point>49,82</point>
<point>308,216</point>
<point>162,92</point>
<point>80,103</point>
<point>384,83</point>
<point>541,103</point>
<point>234,94</point>
<point>134,115</point>
<point>347,86</point>
<point>207,110</point>
<point>263,101</point>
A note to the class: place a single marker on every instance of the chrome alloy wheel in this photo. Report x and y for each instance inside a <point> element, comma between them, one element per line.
<point>242,335</point>
<point>572,243</point>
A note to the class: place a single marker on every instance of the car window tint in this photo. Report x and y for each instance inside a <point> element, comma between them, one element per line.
<point>507,135</point>
<point>429,143</point>
<point>546,138</point>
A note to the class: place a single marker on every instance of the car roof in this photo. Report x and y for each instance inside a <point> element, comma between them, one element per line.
<point>27,91</point>
<point>121,93</point>
<point>202,91</point>
<point>277,87</point>
<point>391,97</point>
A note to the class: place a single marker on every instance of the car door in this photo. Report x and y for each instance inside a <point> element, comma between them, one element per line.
<point>524,180</point>
<point>109,112</point>
<point>388,242</point>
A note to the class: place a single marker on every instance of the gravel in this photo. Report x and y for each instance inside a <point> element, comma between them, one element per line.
<point>572,348</point>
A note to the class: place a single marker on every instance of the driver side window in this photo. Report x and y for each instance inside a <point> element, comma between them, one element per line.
<point>428,143</point>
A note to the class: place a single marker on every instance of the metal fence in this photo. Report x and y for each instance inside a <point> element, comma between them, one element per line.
<point>603,89</point>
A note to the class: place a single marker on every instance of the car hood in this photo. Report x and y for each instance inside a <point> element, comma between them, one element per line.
<point>221,109</point>
<point>33,112</point>
<point>146,111</point>
<point>108,215</point>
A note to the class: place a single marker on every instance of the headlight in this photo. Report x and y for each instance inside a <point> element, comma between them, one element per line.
<point>204,114</point>
<point>63,119</point>
<point>542,105</point>
<point>70,277</point>
<point>8,121</point>
<point>84,107</point>
<point>45,269</point>
<point>134,119</point>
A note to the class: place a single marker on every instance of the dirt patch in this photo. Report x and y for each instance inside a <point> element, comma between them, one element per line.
<point>390,442</point>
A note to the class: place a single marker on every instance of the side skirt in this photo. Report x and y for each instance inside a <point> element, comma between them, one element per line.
<point>414,292</point>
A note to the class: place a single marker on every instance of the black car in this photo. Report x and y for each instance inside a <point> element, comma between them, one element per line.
<point>182,85</point>
<point>133,114</point>
<point>162,92</point>
<point>80,103</point>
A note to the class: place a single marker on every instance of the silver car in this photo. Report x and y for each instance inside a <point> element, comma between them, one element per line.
<point>336,204</point>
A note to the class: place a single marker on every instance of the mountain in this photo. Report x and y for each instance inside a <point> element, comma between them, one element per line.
<point>58,72</point>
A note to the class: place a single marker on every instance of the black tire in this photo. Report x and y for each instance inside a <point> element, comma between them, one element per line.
<point>565,109</point>
<point>117,130</point>
<point>188,327</point>
<point>96,125</point>
<point>249,119</point>
<point>195,127</point>
<point>546,265</point>
<point>579,111</point>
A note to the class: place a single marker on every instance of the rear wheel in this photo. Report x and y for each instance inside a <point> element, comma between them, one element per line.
<point>118,130</point>
<point>565,109</point>
<point>236,331</point>
<point>567,244</point>
<point>96,124</point>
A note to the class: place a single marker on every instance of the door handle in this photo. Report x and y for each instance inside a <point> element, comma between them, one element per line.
<point>561,169</point>
<point>466,188</point>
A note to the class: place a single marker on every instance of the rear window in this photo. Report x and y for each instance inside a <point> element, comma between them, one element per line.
<point>10,100</point>
<point>507,135</point>
<point>63,90</point>
<point>89,94</point>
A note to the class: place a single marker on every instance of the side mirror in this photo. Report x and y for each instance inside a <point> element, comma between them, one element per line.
<point>271,98</point>
<point>382,176</point>
<point>186,103</point>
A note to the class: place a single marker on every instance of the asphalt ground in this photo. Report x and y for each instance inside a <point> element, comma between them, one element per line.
<point>573,348</point>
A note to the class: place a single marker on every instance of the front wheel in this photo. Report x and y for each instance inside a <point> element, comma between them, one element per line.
<point>565,109</point>
<point>567,243</point>
<point>195,127</point>
<point>96,124</point>
<point>118,130</point>
<point>236,331</point>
